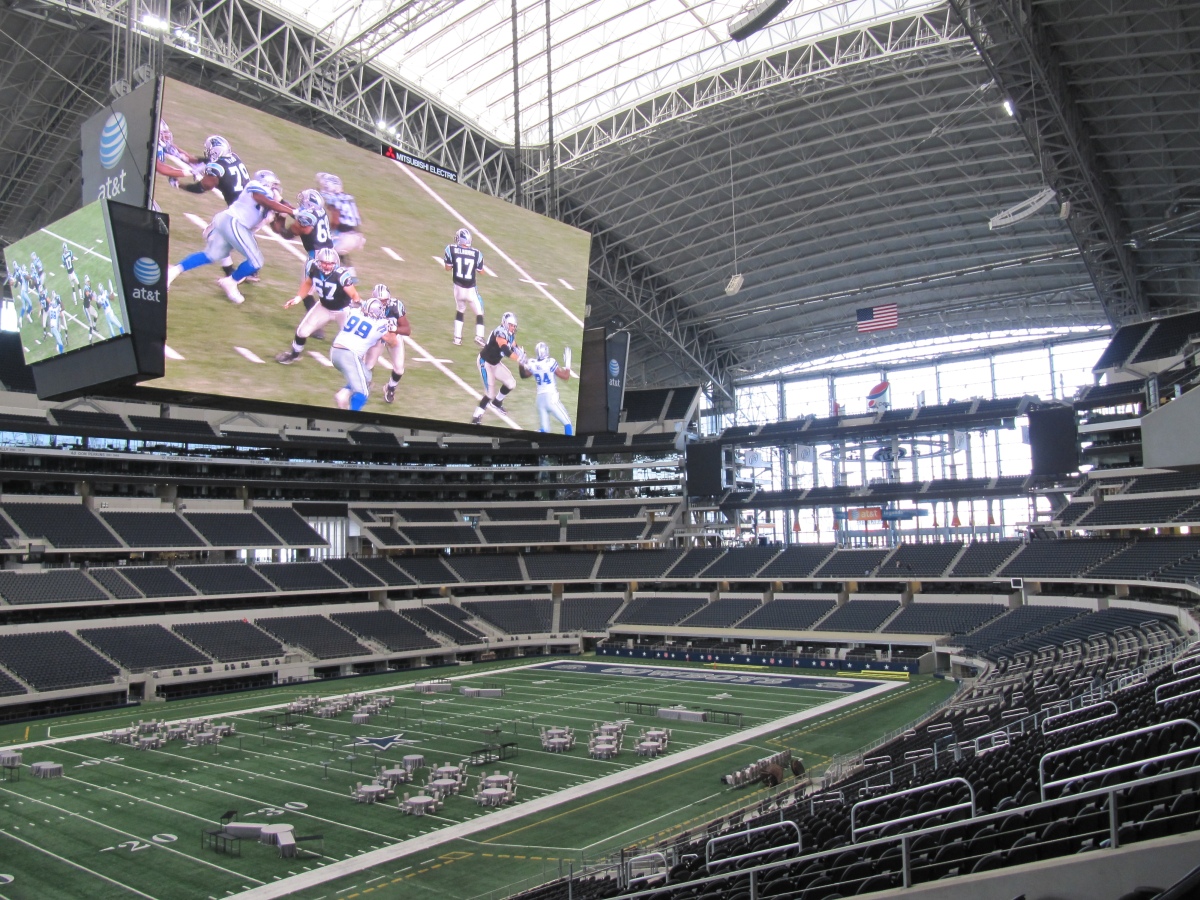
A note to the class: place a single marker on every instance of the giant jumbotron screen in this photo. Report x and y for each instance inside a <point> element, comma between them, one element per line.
<point>390,224</point>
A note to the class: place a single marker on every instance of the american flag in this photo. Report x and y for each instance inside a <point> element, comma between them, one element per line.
<point>877,318</point>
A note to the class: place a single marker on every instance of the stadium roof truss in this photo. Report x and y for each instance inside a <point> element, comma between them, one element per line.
<point>852,154</point>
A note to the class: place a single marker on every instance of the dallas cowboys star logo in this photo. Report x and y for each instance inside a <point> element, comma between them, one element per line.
<point>383,743</point>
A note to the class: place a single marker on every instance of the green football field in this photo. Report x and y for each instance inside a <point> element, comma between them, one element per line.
<point>83,232</point>
<point>539,272</point>
<point>124,822</point>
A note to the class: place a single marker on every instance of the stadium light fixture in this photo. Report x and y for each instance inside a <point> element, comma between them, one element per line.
<point>757,17</point>
<point>152,22</point>
<point>1009,108</point>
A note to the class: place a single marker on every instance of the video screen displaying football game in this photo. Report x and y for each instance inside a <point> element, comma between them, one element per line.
<point>65,291</point>
<point>308,271</point>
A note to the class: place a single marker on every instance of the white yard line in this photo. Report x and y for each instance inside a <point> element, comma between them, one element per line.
<point>521,273</point>
<point>75,865</point>
<point>392,253</point>
<point>80,246</point>
<point>288,886</point>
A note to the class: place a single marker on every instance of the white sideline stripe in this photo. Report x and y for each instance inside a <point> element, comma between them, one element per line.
<point>534,283</point>
<point>504,256</point>
<point>76,865</point>
<point>171,354</point>
<point>249,354</point>
<point>392,253</point>
<point>321,358</point>
<point>80,246</point>
<point>564,284</point>
<point>426,356</point>
<point>288,886</point>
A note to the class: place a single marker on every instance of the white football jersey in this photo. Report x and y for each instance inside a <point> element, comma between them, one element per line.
<point>245,208</point>
<point>543,372</point>
<point>361,333</point>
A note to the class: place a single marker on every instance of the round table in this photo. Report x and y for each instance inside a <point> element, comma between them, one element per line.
<point>372,792</point>
<point>648,748</point>
<point>444,784</point>
<point>555,732</point>
<point>206,737</point>
<point>178,733</point>
<point>557,744</point>
<point>414,761</point>
<point>418,805</point>
<point>496,780</point>
<point>610,728</point>
<point>394,776</point>
<point>270,833</point>
<point>656,734</point>
<point>447,771</point>
<point>494,796</point>
<point>148,743</point>
<point>359,718</point>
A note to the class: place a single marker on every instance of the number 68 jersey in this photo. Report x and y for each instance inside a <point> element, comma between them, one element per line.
<point>361,332</point>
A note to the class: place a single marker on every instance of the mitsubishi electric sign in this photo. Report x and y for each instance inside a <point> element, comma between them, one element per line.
<point>119,145</point>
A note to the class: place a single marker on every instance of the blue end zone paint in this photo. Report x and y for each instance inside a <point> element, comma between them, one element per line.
<point>700,676</point>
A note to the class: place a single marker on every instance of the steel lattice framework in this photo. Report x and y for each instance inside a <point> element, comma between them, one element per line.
<point>834,164</point>
<point>1008,35</point>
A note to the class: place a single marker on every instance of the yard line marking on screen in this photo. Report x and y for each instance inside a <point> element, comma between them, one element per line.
<point>321,358</point>
<point>504,256</point>
<point>249,354</point>
<point>392,253</point>
<point>430,358</point>
<point>75,865</point>
<point>564,284</point>
<point>534,283</point>
<point>172,354</point>
<point>73,244</point>
<point>425,354</point>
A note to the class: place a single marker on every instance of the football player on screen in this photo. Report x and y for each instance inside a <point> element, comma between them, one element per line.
<point>497,379</point>
<point>333,285</point>
<point>380,322</point>
<point>233,229</point>
<point>174,162</point>
<point>58,322</point>
<point>223,171</point>
<point>44,305</point>
<point>465,264</point>
<point>68,261</point>
<point>18,281</point>
<point>104,302</point>
<point>343,216</point>
<point>37,271</point>
<point>545,370</point>
<point>89,309</point>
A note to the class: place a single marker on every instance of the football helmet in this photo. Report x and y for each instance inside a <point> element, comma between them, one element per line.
<point>65,247</point>
<point>164,132</point>
<point>328,183</point>
<point>508,321</point>
<point>541,351</point>
<point>87,281</point>
<point>267,179</point>
<point>328,259</point>
<point>381,292</point>
<point>310,199</point>
<point>33,257</point>
<point>216,146</point>
<point>374,308</point>
<point>462,237</point>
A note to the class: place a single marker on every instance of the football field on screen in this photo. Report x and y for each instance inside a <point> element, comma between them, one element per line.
<point>538,266</point>
<point>128,823</point>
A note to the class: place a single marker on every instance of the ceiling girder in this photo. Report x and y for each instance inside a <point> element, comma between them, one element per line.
<point>1025,66</point>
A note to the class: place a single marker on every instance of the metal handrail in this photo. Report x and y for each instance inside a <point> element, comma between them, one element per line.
<point>1046,729</point>
<point>1111,793</point>
<point>1100,742</point>
<point>1187,680</point>
<point>1121,767</point>
<point>854,829</point>
<point>629,876</point>
<point>722,838</point>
